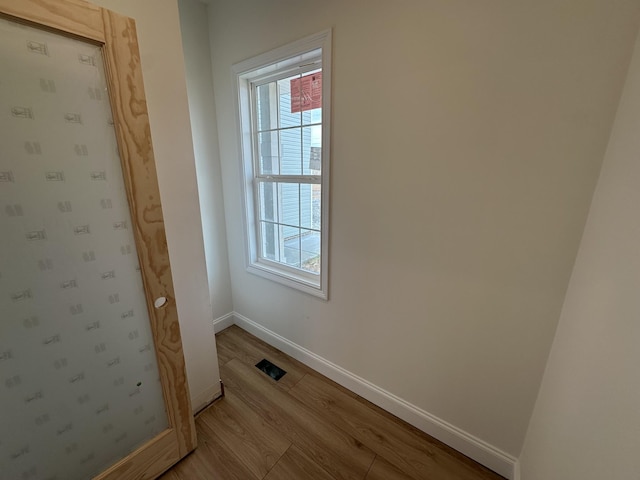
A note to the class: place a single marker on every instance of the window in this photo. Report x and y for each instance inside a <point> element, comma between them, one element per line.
<point>283,104</point>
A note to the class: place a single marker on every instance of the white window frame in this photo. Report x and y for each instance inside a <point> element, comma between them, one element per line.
<point>294,56</point>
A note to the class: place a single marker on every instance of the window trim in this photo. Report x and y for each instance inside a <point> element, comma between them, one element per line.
<point>258,69</point>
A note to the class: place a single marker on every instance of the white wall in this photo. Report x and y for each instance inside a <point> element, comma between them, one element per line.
<point>164,80</point>
<point>197,58</point>
<point>586,424</point>
<point>467,140</point>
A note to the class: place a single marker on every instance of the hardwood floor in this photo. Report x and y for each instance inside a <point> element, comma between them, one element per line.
<point>305,426</point>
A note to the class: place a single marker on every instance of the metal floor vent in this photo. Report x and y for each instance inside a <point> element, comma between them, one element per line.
<point>270,369</point>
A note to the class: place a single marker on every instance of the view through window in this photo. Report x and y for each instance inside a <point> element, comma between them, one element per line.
<point>288,139</point>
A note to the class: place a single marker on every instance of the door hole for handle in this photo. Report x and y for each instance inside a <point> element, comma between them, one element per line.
<point>160,302</point>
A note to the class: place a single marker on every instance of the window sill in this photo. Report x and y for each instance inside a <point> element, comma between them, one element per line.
<point>291,280</point>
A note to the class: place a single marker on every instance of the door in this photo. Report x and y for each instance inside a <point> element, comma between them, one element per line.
<point>92,373</point>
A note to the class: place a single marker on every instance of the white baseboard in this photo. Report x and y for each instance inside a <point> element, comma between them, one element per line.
<point>516,471</point>
<point>475,448</point>
<point>223,322</point>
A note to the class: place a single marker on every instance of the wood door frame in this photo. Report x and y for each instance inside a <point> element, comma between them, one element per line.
<point>116,34</point>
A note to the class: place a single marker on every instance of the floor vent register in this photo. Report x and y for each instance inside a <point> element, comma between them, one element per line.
<point>270,369</point>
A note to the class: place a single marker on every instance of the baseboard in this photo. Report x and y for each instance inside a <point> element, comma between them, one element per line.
<point>516,471</point>
<point>223,322</point>
<point>475,448</point>
<point>205,398</point>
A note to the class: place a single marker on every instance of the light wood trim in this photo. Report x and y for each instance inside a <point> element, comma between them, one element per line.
<point>70,16</point>
<point>147,462</point>
<point>126,91</point>
<point>124,77</point>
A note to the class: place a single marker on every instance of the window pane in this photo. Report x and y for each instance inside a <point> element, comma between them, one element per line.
<point>311,117</point>
<point>307,96</point>
<point>269,153</point>
<point>316,206</point>
<point>310,205</point>
<point>289,203</point>
<point>291,246</point>
<point>291,151</point>
<point>306,205</point>
<point>310,250</point>
<point>266,107</point>
<point>312,150</point>
<point>270,244</point>
<point>288,118</point>
<point>268,201</point>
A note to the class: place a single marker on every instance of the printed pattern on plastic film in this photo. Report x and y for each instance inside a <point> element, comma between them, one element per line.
<point>79,384</point>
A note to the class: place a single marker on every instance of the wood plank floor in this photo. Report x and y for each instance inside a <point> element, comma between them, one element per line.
<point>306,427</point>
